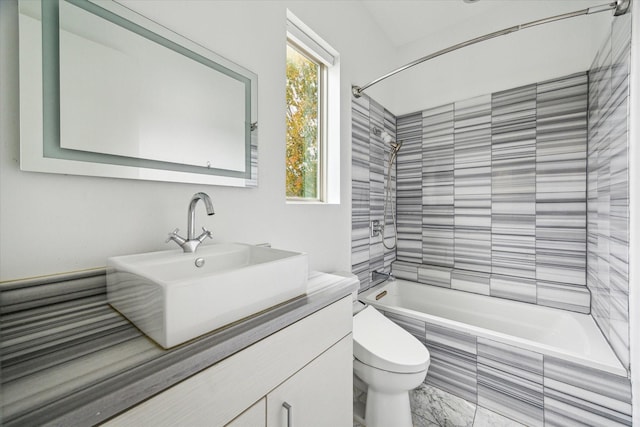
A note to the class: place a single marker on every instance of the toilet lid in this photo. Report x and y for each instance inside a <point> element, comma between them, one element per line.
<point>380,343</point>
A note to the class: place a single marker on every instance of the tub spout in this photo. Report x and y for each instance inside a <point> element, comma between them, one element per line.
<point>378,277</point>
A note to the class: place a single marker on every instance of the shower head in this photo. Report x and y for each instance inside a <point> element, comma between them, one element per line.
<point>395,145</point>
<point>386,137</point>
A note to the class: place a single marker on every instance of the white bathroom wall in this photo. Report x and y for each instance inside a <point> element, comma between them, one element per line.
<point>634,210</point>
<point>531,55</point>
<point>57,223</point>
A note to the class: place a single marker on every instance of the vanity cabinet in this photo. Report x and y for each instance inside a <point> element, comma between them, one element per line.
<point>307,365</point>
<point>319,395</point>
<point>252,417</point>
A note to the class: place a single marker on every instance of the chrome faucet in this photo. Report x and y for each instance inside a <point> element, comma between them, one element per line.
<point>191,243</point>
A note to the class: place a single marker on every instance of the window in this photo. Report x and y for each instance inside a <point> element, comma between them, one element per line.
<point>305,100</point>
<point>309,69</point>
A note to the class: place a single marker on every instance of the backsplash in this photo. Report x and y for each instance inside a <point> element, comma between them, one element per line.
<point>40,293</point>
<point>370,162</point>
<point>492,194</point>
<point>608,188</point>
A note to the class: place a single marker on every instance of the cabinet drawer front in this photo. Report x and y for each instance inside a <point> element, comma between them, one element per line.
<point>219,393</point>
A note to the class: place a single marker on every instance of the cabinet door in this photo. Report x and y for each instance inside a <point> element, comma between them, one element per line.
<point>252,417</point>
<point>320,394</point>
<point>219,393</point>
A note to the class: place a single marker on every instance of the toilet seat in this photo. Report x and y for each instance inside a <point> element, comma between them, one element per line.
<point>380,343</point>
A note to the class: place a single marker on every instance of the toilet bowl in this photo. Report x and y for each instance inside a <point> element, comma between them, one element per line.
<point>391,362</point>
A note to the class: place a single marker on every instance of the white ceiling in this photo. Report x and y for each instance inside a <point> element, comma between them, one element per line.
<point>408,21</point>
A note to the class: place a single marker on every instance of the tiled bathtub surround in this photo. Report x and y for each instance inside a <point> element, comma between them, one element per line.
<point>501,209</point>
<point>526,386</point>
<point>524,194</point>
<point>369,173</point>
<point>608,188</point>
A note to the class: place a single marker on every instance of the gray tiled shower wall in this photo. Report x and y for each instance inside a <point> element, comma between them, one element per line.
<point>608,188</point>
<point>370,161</point>
<point>491,193</point>
<point>501,195</point>
<point>502,210</point>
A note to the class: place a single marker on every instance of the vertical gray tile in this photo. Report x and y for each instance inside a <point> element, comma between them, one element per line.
<point>437,235</point>
<point>510,382</point>
<point>438,186</point>
<point>473,249</point>
<point>434,275</point>
<point>561,410</point>
<point>514,288</point>
<point>409,201</point>
<point>561,180</point>
<point>509,359</point>
<point>471,281</point>
<point>360,191</point>
<point>564,296</point>
<point>619,188</point>
<point>413,326</point>
<point>575,394</point>
<point>453,361</point>
<point>513,182</point>
<point>453,338</point>
<point>376,181</point>
<point>391,198</point>
<point>405,270</point>
<point>472,184</point>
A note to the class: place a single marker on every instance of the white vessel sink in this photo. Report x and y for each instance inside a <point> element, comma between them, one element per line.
<point>172,300</point>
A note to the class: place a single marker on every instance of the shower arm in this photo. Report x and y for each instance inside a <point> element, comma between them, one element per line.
<point>620,7</point>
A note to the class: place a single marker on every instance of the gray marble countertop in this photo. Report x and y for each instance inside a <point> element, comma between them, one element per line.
<point>79,362</point>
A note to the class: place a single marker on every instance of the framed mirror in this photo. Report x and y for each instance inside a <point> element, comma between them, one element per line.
<point>107,92</point>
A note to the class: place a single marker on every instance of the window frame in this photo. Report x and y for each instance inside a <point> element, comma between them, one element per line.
<point>305,41</point>
<point>321,136</point>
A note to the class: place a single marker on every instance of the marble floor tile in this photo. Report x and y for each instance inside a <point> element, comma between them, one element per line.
<point>359,401</point>
<point>431,406</point>
<point>487,418</point>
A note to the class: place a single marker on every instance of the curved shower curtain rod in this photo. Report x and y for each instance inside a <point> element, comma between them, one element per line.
<point>620,7</point>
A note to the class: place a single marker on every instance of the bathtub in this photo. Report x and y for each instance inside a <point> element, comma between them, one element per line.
<point>565,335</point>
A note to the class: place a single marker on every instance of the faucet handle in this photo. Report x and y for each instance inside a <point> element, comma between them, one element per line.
<point>175,237</point>
<point>205,233</point>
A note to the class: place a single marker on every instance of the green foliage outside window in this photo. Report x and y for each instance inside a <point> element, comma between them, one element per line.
<point>303,80</point>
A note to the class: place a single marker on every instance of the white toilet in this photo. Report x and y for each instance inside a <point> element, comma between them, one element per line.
<point>390,361</point>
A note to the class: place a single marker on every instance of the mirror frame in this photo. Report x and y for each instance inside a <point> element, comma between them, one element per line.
<point>40,149</point>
